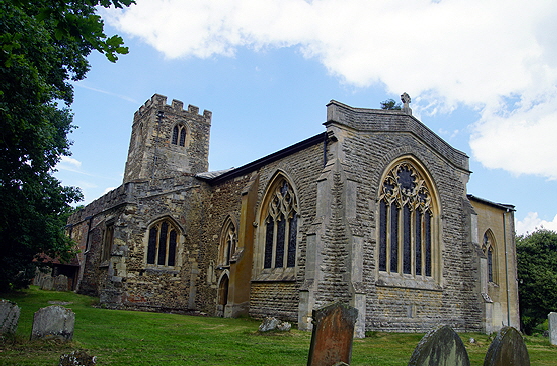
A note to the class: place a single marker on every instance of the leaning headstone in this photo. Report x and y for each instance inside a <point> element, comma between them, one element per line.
<point>332,335</point>
<point>53,322</point>
<point>441,346</point>
<point>77,358</point>
<point>9,316</point>
<point>507,349</point>
<point>552,328</point>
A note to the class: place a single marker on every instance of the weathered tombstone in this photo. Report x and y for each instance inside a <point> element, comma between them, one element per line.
<point>77,358</point>
<point>332,335</point>
<point>53,322</point>
<point>9,316</point>
<point>60,283</point>
<point>507,349</point>
<point>441,346</point>
<point>552,328</point>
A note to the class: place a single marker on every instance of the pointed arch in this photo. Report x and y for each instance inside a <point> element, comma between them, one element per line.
<point>408,240</point>
<point>179,134</point>
<point>163,237</point>
<point>489,248</point>
<point>278,225</point>
<point>228,242</point>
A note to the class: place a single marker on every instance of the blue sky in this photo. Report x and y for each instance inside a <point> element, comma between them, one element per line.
<point>482,75</point>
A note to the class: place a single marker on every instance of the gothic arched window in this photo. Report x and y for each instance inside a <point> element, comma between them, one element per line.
<point>179,135</point>
<point>406,222</point>
<point>488,248</point>
<point>228,242</point>
<point>280,226</point>
<point>162,244</point>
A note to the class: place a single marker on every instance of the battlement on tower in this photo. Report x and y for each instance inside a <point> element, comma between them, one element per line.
<point>159,102</point>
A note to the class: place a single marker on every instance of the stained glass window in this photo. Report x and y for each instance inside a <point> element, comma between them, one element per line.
<point>405,219</point>
<point>281,225</point>
<point>227,243</point>
<point>162,243</point>
<point>488,249</point>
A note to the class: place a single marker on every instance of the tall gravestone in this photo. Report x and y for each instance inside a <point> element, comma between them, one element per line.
<point>9,316</point>
<point>552,317</point>
<point>507,349</point>
<point>441,346</point>
<point>53,322</point>
<point>332,336</point>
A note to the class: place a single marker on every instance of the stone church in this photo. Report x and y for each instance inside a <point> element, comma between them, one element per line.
<point>373,212</point>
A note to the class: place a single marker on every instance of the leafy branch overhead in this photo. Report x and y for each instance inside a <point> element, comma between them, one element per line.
<point>44,45</point>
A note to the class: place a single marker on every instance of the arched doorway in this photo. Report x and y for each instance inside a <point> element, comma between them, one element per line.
<point>222,296</point>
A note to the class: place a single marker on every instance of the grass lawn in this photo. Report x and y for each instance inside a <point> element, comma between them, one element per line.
<point>135,338</point>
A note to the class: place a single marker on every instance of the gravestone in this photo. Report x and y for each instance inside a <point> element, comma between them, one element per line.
<point>441,346</point>
<point>77,358</point>
<point>332,335</point>
<point>53,322</point>
<point>507,349</point>
<point>9,316</point>
<point>60,283</point>
<point>552,328</point>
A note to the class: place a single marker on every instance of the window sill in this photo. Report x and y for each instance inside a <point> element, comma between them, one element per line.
<point>406,281</point>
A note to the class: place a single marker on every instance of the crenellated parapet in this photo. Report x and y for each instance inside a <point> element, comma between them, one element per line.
<point>167,139</point>
<point>159,103</point>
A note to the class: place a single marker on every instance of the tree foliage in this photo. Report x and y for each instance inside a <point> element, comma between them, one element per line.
<point>537,276</point>
<point>390,104</point>
<point>44,46</point>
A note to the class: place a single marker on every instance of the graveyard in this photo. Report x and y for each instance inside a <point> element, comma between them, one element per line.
<point>119,337</point>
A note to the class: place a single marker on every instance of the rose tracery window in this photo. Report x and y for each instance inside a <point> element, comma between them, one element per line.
<point>280,227</point>
<point>162,242</point>
<point>405,222</point>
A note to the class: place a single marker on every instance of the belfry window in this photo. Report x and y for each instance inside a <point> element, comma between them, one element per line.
<point>488,249</point>
<point>161,246</point>
<point>280,227</point>
<point>405,222</point>
<point>179,135</point>
<point>228,243</point>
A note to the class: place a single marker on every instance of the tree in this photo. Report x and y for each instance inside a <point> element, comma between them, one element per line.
<point>44,45</point>
<point>390,104</point>
<point>537,276</point>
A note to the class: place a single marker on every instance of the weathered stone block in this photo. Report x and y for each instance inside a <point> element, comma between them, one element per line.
<point>441,346</point>
<point>53,322</point>
<point>552,328</point>
<point>508,348</point>
<point>9,316</point>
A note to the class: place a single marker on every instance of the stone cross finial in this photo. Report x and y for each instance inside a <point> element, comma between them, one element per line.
<point>406,100</point>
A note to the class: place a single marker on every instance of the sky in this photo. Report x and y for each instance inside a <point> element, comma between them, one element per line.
<point>482,75</point>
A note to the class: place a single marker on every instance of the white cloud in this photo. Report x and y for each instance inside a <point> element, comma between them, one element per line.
<point>445,53</point>
<point>532,222</point>
<point>68,163</point>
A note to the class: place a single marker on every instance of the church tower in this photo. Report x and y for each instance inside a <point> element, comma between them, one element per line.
<point>166,139</point>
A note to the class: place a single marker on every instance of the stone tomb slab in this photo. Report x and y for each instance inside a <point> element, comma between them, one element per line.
<point>441,346</point>
<point>507,349</point>
<point>552,317</point>
<point>332,335</point>
<point>9,316</point>
<point>53,322</point>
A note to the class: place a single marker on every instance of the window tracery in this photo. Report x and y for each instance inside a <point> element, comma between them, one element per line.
<point>228,243</point>
<point>488,249</point>
<point>179,135</point>
<point>162,244</point>
<point>405,222</point>
<point>280,227</point>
